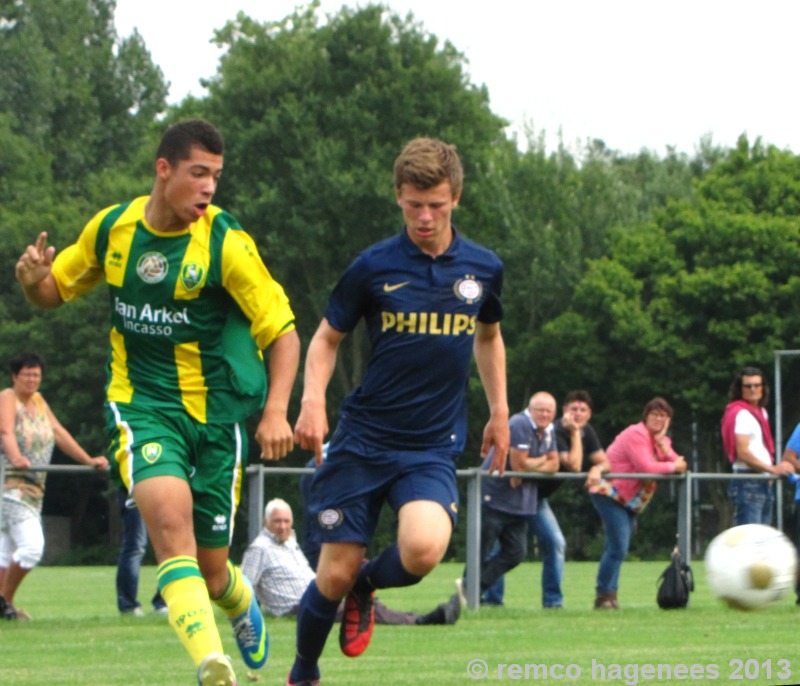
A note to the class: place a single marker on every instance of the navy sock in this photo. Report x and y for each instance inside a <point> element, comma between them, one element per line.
<point>386,571</point>
<point>315,618</point>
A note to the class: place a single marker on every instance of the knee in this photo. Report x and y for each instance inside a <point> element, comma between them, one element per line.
<point>420,558</point>
<point>617,550</point>
<point>560,545</point>
<point>554,543</point>
<point>517,555</point>
<point>335,580</point>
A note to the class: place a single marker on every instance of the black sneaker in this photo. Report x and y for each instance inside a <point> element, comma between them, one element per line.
<point>7,610</point>
<point>452,609</point>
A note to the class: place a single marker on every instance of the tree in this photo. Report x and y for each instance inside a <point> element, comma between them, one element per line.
<point>681,301</point>
<point>556,213</point>
<point>73,88</point>
<point>77,107</point>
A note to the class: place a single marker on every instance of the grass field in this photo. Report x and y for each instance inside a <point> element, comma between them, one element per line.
<point>77,637</point>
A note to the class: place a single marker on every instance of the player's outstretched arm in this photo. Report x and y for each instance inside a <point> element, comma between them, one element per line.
<point>312,424</point>
<point>34,273</point>
<point>274,433</point>
<point>490,356</point>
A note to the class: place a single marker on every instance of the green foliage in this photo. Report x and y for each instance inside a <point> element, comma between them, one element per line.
<point>681,301</point>
<point>557,214</point>
<point>75,91</point>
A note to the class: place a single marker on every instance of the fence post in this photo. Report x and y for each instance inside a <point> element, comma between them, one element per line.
<point>685,516</point>
<point>473,539</point>
<point>255,502</point>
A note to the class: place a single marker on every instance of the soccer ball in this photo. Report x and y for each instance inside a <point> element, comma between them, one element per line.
<point>751,566</point>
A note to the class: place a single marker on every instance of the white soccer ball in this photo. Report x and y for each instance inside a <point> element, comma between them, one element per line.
<point>751,566</point>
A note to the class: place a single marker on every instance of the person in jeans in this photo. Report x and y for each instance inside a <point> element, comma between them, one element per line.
<point>642,447</point>
<point>509,504</point>
<point>131,554</point>
<point>750,448</point>
<point>579,449</point>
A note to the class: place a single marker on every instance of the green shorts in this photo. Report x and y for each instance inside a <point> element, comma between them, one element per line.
<point>148,442</point>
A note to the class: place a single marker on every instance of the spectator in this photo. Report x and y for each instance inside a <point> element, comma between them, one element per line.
<point>28,432</point>
<point>750,448</point>
<point>642,447</point>
<point>280,574</point>
<point>579,449</point>
<point>509,504</point>
<point>131,554</point>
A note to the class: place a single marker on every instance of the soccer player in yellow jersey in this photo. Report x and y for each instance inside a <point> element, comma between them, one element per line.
<point>192,306</point>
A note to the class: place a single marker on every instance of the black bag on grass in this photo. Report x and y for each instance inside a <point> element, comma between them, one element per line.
<point>675,583</point>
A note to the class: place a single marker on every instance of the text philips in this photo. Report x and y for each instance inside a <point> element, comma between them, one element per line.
<point>431,323</point>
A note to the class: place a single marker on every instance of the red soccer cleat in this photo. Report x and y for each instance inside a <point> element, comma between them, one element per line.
<point>357,622</point>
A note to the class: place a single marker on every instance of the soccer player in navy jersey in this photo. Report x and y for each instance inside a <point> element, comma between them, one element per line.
<point>192,304</point>
<point>429,298</point>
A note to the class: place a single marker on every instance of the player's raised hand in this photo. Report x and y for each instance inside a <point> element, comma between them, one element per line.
<point>36,262</point>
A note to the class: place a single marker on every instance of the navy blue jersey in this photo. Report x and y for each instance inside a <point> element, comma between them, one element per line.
<point>421,313</point>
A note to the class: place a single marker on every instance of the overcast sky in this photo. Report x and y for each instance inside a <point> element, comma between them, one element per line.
<point>634,73</point>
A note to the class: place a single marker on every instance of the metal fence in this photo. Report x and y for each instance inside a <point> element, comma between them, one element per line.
<point>685,486</point>
<point>258,487</point>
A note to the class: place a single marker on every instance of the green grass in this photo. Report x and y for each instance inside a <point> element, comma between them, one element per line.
<point>77,636</point>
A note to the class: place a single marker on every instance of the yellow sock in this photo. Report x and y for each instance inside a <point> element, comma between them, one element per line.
<point>191,614</point>
<point>237,596</point>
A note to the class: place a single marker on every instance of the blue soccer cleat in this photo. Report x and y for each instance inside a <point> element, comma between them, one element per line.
<point>250,633</point>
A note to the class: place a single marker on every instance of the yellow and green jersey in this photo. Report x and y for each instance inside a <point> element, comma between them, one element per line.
<point>190,310</point>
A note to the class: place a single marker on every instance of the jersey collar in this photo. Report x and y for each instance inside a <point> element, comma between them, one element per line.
<point>412,250</point>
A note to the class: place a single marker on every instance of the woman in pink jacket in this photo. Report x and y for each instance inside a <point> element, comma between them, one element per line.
<point>641,448</point>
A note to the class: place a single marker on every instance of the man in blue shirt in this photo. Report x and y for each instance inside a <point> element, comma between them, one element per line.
<point>509,504</point>
<point>579,449</point>
<point>429,298</point>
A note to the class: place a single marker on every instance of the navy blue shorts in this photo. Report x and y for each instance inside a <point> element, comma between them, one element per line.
<point>349,489</point>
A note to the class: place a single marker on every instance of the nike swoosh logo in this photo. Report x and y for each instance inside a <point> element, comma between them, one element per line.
<point>262,649</point>
<point>388,289</point>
